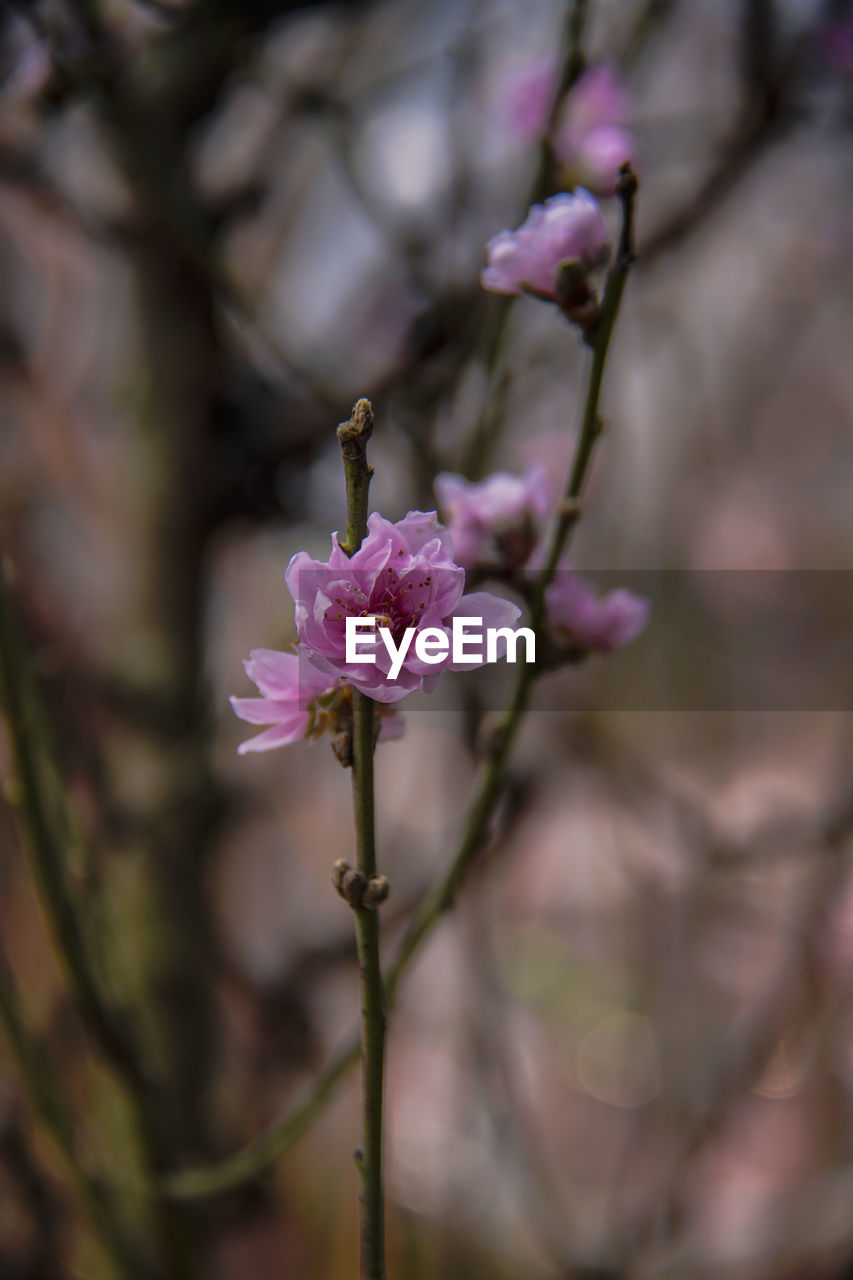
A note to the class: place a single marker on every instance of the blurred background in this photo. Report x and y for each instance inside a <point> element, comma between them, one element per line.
<point>628,1051</point>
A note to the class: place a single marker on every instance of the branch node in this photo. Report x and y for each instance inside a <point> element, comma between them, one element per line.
<point>356,889</point>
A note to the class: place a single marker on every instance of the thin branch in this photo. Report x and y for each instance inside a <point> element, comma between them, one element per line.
<point>353,437</point>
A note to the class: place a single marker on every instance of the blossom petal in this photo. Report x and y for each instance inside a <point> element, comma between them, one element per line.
<point>276,674</point>
<point>281,735</point>
<point>263,710</point>
<point>494,611</point>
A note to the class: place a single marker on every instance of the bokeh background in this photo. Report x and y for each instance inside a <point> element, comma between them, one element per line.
<point>628,1051</point>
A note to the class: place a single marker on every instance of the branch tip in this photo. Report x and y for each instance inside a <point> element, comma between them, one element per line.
<point>354,434</point>
<point>626,190</point>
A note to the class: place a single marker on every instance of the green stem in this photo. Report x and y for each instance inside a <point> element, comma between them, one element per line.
<point>353,437</point>
<point>369,1157</point>
<point>247,1164</point>
<point>591,424</point>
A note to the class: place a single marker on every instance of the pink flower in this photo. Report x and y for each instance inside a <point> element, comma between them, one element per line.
<point>496,519</point>
<point>297,700</point>
<point>598,98</point>
<point>600,155</point>
<point>567,228</point>
<point>592,139</point>
<point>604,623</point>
<point>403,575</point>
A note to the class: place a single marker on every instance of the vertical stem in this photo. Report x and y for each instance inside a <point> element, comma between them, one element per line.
<point>353,437</point>
<point>362,782</point>
<point>369,1158</point>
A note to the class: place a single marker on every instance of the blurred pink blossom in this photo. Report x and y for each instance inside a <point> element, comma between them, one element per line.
<point>403,575</point>
<point>530,97</point>
<point>592,139</point>
<point>598,157</point>
<point>604,623</point>
<point>497,518</point>
<point>598,99</point>
<point>567,228</point>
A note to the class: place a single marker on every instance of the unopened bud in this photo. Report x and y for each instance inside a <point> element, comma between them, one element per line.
<point>349,883</point>
<point>376,892</point>
<point>356,889</point>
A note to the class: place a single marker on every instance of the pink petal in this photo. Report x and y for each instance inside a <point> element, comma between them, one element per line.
<point>276,674</point>
<point>494,612</point>
<point>262,710</point>
<point>281,735</point>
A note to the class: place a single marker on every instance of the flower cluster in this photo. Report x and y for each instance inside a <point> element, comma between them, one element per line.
<point>407,579</point>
